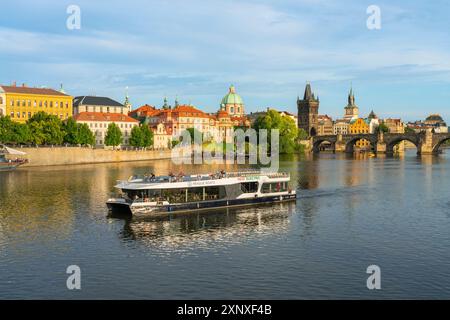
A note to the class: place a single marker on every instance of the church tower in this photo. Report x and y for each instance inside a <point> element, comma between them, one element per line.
<point>308,111</point>
<point>351,110</point>
<point>127,103</point>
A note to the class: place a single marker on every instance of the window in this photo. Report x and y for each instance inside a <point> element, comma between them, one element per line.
<point>29,114</point>
<point>1,100</point>
<point>12,114</point>
<point>249,187</point>
<point>274,187</point>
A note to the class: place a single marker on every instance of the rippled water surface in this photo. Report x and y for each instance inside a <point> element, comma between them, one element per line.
<point>351,213</point>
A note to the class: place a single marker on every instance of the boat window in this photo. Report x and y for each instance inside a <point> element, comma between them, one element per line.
<point>249,187</point>
<point>274,187</point>
<point>193,194</point>
<point>215,193</point>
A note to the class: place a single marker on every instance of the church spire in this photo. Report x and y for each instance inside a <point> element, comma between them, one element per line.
<point>127,100</point>
<point>351,97</point>
<point>308,92</point>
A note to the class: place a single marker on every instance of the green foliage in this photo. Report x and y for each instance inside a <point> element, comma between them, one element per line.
<point>113,135</point>
<point>141,137</point>
<point>193,132</point>
<point>302,134</point>
<point>409,130</point>
<point>175,142</point>
<point>288,131</point>
<point>71,128</point>
<point>136,138</point>
<point>84,135</point>
<point>147,136</point>
<point>382,127</point>
<point>46,129</point>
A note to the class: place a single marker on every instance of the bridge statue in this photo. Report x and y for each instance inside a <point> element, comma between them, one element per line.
<point>426,142</point>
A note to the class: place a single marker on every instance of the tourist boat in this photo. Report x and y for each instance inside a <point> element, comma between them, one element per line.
<point>10,164</point>
<point>165,194</point>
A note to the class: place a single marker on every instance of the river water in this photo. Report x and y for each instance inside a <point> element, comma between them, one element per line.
<point>351,212</point>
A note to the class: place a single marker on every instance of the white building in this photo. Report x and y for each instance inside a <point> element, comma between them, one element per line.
<point>98,122</point>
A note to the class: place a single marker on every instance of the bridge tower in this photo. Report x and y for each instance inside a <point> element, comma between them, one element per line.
<point>308,112</point>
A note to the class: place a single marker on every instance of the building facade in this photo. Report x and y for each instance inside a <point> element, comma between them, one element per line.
<point>433,122</point>
<point>340,126</point>
<point>394,125</point>
<point>98,122</point>
<point>308,112</point>
<point>22,102</point>
<point>358,126</point>
<point>325,125</point>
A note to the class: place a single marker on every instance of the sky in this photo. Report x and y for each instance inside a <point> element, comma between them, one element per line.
<point>268,50</point>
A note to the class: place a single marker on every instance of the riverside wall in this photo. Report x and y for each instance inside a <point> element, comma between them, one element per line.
<point>56,156</point>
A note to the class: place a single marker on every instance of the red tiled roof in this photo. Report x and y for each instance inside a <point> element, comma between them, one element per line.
<point>145,110</point>
<point>104,117</point>
<point>27,90</point>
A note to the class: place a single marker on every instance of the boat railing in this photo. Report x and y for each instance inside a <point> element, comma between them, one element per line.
<point>203,177</point>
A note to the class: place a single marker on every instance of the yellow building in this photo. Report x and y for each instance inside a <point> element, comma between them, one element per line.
<point>22,102</point>
<point>358,126</point>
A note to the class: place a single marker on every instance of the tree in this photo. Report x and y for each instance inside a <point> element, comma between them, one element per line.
<point>84,135</point>
<point>147,136</point>
<point>409,130</point>
<point>193,132</point>
<point>45,129</point>
<point>13,132</point>
<point>136,138</point>
<point>288,131</point>
<point>5,129</point>
<point>71,129</point>
<point>382,128</point>
<point>302,134</point>
<point>113,135</point>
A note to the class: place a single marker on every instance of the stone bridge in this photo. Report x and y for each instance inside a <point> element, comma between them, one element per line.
<point>426,142</point>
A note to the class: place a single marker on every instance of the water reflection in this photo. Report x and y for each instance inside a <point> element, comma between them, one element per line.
<point>202,230</point>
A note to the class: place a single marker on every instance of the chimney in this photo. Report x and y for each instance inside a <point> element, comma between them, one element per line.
<point>24,85</point>
<point>14,84</point>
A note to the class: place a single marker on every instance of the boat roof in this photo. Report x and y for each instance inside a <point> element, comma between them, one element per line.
<point>198,180</point>
<point>6,150</point>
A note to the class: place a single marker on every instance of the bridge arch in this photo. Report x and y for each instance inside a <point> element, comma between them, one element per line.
<point>318,141</point>
<point>350,144</point>
<point>438,145</point>
<point>393,142</point>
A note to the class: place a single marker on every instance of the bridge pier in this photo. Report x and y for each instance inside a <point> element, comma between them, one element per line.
<point>426,147</point>
<point>380,148</point>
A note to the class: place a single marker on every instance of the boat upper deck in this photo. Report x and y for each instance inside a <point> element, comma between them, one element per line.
<point>150,178</point>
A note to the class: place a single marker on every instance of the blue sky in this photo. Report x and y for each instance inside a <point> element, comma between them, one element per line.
<point>268,49</point>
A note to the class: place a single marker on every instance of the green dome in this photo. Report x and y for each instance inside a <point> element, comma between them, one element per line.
<point>232,97</point>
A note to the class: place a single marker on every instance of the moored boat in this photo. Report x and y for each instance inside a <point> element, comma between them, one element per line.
<point>7,164</point>
<point>165,194</point>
